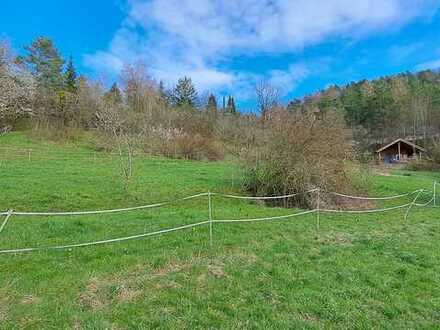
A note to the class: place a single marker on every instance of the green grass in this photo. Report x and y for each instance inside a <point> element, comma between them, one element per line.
<point>361,271</point>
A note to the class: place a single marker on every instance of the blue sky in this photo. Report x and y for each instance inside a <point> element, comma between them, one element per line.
<point>300,46</point>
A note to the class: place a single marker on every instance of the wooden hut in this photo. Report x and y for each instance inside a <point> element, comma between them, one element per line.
<point>399,151</point>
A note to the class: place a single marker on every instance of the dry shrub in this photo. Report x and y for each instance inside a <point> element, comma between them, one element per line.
<point>186,134</point>
<point>430,164</point>
<point>197,147</point>
<point>55,131</point>
<point>173,142</point>
<point>298,152</point>
<point>422,165</point>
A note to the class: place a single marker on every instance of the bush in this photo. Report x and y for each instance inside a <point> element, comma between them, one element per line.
<point>198,147</point>
<point>423,165</point>
<point>296,153</point>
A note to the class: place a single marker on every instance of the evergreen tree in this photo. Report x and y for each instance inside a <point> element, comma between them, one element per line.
<point>45,63</point>
<point>114,94</point>
<point>184,94</point>
<point>230,108</point>
<point>212,104</point>
<point>70,77</point>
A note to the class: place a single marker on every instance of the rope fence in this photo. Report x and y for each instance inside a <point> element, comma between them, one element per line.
<point>211,220</point>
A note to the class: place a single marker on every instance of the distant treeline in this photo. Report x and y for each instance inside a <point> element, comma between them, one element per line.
<point>404,105</point>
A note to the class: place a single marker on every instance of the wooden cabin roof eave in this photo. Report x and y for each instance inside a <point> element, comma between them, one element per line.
<point>401,140</point>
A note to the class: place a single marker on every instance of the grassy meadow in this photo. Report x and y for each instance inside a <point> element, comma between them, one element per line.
<point>358,271</point>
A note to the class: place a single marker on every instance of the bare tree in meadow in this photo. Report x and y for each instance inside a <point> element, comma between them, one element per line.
<point>112,121</point>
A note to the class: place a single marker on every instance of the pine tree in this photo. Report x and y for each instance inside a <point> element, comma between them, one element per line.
<point>230,108</point>
<point>114,95</point>
<point>184,94</point>
<point>70,77</point>
<point>211,107</point>
<point>45,63</point>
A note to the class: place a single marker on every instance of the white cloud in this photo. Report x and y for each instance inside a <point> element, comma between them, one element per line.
<point>103,61</point>
<point>433,65</point>
<point>287,80</point>
<point>192,37</point>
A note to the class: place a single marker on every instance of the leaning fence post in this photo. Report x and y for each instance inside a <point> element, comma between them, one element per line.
<point>412,204</point>
<point>318,202</point>
<point>210,217</point>
<point>8,215</point>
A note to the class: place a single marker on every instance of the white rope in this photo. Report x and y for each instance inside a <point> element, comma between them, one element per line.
<point>425,204</point>
<point>374,198</point>
<point>265,197</point>
<point>366,211</point>
<point>427,192</point>
<point>107,211</point>
<point>8,215</point>
<point>113,240</point>
<point>267,218</point>
<point>73,213</point>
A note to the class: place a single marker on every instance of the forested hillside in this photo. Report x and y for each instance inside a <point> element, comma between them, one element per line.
<point>404,105</point>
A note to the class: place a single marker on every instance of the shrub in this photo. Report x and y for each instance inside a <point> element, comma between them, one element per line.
<point>422,165</point>
<point>296,153</point>
<point>198,147</point>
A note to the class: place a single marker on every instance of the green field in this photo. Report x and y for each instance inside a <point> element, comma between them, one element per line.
<point>357,271</point>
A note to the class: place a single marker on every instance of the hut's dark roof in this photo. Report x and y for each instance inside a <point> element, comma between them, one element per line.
<point>412,145</point>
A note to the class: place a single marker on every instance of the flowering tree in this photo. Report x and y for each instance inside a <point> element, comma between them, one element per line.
<point>17,88</point>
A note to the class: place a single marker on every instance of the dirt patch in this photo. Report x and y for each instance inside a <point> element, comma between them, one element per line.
<point>169,268</point>
<point>3,309</point>
<point>337,239</point>
<point>201,280</point>
<point>309,317</point>
<point>127,292</point>
<point>93,296</point>
<point>100,292</point>
<point>167,285</point>
<point>30,300</point>
<point>217,270</point>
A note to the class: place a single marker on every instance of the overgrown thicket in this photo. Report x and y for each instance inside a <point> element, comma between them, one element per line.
<point>298,152</point>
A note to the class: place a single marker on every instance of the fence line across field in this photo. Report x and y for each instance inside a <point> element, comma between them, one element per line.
<point>73,213</point>
<point>91,212</point>
<point>112,240</point>
<point>211,219</point>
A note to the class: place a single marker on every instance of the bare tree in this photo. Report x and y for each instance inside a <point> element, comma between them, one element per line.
<point>267,97</point>
<point>141,91</point>
<point>111,122</point>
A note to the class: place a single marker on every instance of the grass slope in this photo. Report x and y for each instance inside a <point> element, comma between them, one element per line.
<point>362,271</point>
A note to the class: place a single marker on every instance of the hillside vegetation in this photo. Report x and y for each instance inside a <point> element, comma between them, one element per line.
<point>403,105</point>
